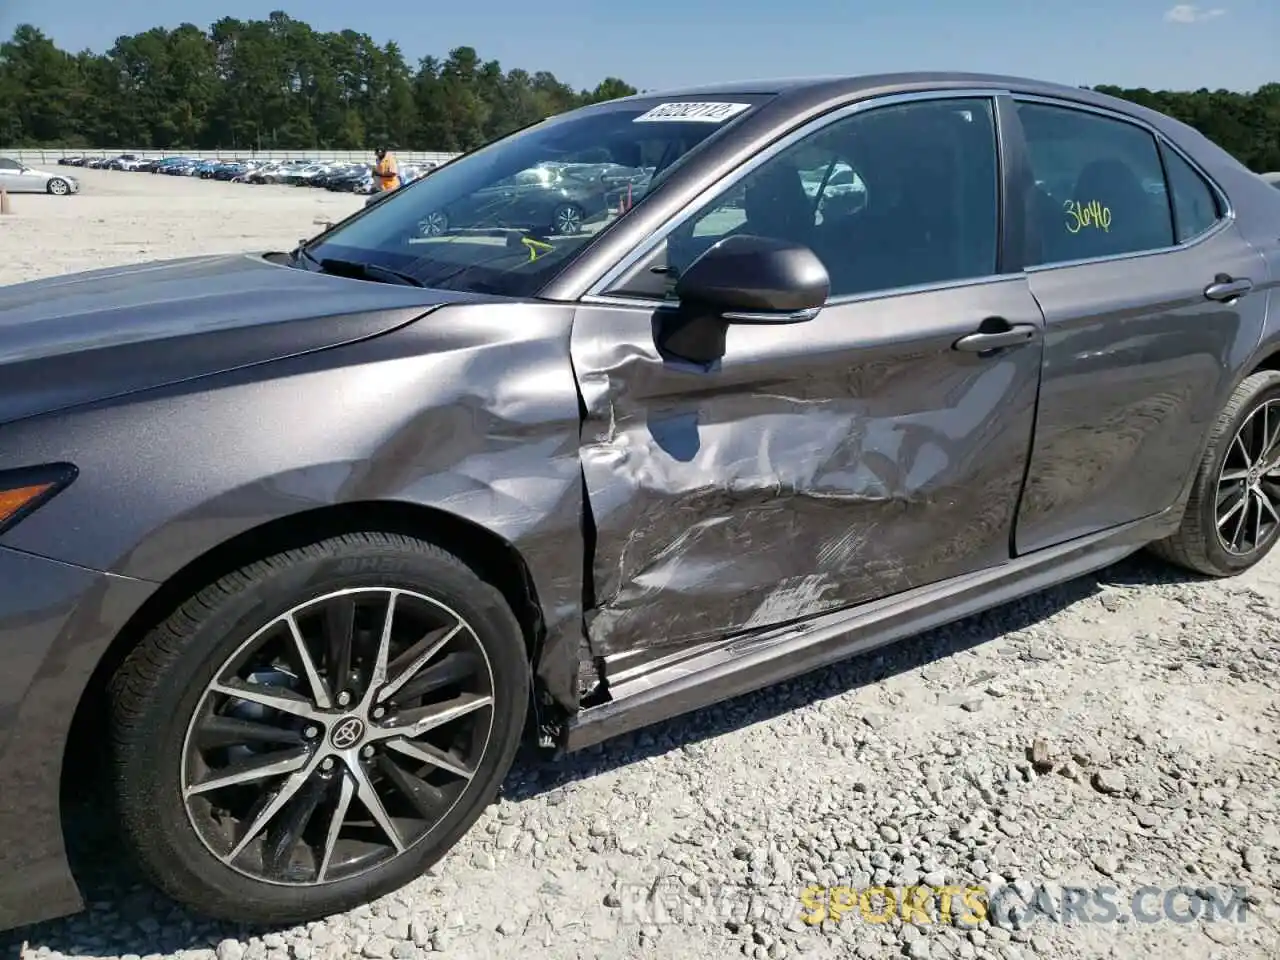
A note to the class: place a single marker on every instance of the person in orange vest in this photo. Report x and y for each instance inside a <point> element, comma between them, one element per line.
<point>386,172</point>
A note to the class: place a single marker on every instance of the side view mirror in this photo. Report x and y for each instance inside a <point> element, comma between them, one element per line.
<point>743,279</point>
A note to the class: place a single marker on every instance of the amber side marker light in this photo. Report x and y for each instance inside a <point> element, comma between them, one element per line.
<point>22,492</point>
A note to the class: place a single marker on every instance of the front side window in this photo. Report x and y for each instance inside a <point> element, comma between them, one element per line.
<point>897,196</point>
<point>1195,208</point>
<point>1099,186</point>
<point>505,219</point>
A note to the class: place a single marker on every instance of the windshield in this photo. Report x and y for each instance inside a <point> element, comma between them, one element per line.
<point>504,219</point>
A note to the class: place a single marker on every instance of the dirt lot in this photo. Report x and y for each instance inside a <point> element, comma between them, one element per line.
<point>125,217</point>
<point>1118,735</point>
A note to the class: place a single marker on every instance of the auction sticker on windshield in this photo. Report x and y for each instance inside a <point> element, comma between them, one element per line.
<point>690,112</point>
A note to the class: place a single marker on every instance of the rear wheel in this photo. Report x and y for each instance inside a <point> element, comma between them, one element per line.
<point>314,730</point>
<point>59,187</point>
<point>1233,515</point>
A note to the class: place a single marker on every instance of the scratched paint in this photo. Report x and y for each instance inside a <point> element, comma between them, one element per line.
<point>803,476</point>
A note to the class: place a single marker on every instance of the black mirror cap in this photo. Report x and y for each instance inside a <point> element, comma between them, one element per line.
<point>750,274</point>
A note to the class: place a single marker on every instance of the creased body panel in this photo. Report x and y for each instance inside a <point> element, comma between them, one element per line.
<point>823,465</point>
<point>472,411</point>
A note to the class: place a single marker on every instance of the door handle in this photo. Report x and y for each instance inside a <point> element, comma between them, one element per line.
<point>1224,288</point>
<point>988,341</point>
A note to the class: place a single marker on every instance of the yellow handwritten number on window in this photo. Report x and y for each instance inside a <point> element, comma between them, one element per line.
<point>1091,213</point>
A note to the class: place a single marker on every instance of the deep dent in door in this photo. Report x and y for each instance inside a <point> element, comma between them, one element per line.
<point>718,497</point>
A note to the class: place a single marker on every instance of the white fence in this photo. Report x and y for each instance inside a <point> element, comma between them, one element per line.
<point>44,158</point>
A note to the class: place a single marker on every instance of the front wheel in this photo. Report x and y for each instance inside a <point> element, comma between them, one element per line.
<point>313,731</point>
<point>1233,515</point>
<point>566,220</point>
<point>59,187</point>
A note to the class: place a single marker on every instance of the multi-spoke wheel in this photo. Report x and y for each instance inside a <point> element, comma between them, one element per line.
<point>316,729</point>
<point>1249,483</point>
<point>434,224</point>
<point>1233,514</point>
<point>566,220</point>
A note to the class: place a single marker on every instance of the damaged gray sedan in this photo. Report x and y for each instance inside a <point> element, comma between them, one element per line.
<point>303,544</point>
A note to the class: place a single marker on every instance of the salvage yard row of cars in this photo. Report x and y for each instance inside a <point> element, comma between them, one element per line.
<point>338,177</point>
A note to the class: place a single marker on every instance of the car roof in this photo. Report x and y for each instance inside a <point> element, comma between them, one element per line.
<point>853,84</point>
<point>808,92</point>
<point>811,93</point>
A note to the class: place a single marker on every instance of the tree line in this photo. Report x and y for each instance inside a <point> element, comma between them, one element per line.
<point>278,84</point>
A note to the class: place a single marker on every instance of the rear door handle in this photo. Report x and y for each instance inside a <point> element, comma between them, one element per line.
<point>990,341</point>
<point>1224,288</point>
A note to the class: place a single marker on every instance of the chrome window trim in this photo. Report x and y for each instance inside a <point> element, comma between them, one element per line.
<point>1223,222</point>
<point>606,300</point>
<point>596,292</point>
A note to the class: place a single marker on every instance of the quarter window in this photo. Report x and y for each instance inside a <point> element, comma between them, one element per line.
<point>1195,208</point>
<point>898,196</point>
<point>1099,186</point>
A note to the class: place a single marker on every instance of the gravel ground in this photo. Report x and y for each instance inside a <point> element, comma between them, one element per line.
<point>1116,734</point>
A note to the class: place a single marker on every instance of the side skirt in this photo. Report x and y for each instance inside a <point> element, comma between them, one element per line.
<point>668,686</point>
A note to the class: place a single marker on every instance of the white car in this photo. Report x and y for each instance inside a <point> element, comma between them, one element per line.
<point>17,177</point>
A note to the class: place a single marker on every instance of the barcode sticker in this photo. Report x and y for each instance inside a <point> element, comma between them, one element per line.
<point>690,112</point>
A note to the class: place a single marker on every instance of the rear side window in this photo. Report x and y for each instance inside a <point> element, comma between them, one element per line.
<point>1099,186</point>
<point>1195,208</point>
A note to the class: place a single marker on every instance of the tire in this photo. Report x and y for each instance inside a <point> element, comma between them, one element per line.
<point>58,187</point>
<point>566,220</point>
<point>1197,544</point>
<point>161,729</point>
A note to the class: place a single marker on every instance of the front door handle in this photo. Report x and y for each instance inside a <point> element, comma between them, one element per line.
<point>989,341</point>
<point>1225,288</point>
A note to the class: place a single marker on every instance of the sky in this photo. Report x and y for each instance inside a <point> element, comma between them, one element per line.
<point>661,44</point>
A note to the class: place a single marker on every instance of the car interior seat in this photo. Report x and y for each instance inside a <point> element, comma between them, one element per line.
<point>909,231</point>
<point>1137,222</point>
<point>776,204</point>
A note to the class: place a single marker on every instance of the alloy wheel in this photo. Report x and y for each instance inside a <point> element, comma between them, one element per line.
<point>433,224</point>
<point>338,736</point>
<point>568,220</point>
<point>1247,510</point>
<point>58,187</point>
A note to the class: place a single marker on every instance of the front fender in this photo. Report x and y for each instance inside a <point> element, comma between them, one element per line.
<point>472,411</point>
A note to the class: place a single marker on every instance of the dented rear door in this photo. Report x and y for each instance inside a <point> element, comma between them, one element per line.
<point>821,465</point>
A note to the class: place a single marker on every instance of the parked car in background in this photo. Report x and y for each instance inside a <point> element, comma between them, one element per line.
<point>128,162</point>
<point>552,198</point>
<point>266,173</point>
<point>302,176</point>
<point>17,177</point>
<point>170,164</point>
